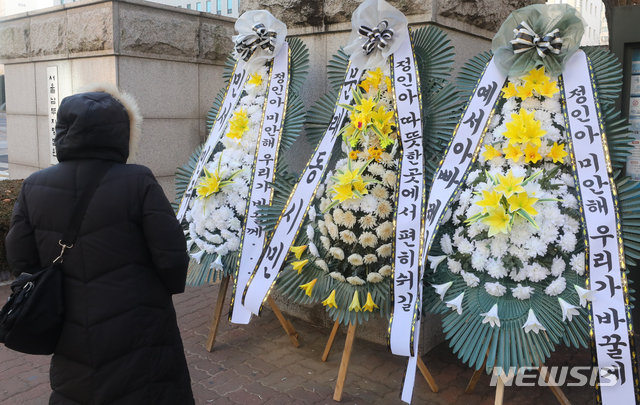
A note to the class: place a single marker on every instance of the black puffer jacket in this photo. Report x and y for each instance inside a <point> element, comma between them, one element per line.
<point>120,343</point>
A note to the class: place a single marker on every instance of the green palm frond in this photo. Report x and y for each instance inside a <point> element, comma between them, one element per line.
<point>337,68</point>
<point>434,52</point>
<point>317,123</point>
<point>607,72</point>
<point>470,73</point>
<point>299,64</point>
<point>293,123</point>
<point>441,111</point>
<point>618,136</point>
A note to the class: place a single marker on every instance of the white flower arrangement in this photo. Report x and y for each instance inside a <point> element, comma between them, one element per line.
<point>358,219</point>
<point>514,226</point>
<point>216,217</point>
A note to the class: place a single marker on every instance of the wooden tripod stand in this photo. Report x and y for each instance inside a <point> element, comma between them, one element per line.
<point>502,379</point>
<point>346,356</point>
<point>217,315</point>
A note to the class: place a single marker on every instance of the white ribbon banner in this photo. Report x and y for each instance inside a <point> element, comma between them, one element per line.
<point>462,150</point>
<point>596,189</point>
<point>263,173</point>
<point>409,203</point>
<point>271,260</point>
<point>234,91</point>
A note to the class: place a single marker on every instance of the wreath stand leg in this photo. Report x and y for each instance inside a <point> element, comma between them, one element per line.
<point>288,328</point>
<point>217,316</point>
<point>346,357</point>
<point>553,386</point>
<point>344,363</point>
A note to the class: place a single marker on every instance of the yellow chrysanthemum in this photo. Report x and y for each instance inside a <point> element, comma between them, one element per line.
<point>490,152</point>
<point>369,305</point>
<point>548,89</point>
<point>353,155</point>
<point>298,250</point>
<point>489,199</point>
<point>331,300</point>
<point>509,91</point>
<point>557,152</point>
<point>209,184</point>
<point>531,154</point>
<point>373,80</point>
<point>375,153</point>
<point>238,124</point>
<point>513,152</point>
<point>522,201</point>
<point>309,286</point>
<point>355,303</point>
<point>255,79</point>
<point>299,265</point>
<point>498,221</point>
<point>509,184</point>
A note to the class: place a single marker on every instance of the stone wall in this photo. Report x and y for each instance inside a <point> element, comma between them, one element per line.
<point>169,59</point>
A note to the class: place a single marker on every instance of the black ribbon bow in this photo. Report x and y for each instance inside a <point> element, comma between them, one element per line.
<point>247,45</point>
<point>376,37</point>
<point>526,38</point>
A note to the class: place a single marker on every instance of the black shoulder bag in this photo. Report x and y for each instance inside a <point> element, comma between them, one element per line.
<point>31,320</point>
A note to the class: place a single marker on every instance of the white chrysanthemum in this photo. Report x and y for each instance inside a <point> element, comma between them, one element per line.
<point>368,221</point>
<point>348,237</point>
<point>558,266</point>
<point>556,287</point>
<point>324,203</point>
<point>337,253</point>
<point>385,271</point>
<point>384,209</point>
<point>333,230</point>
<point>495,269</point>
<point>355,259</point>
<point>355,280</point>
<point>385,230</point>
<point>338,276</point>
<point>326,242</point>
<point>536,247</point>
<point>385,250</point>
<point>374,277</point>
<point>568,242</point>
<point>517,274</point>
<point>369,203</point>
<point>322,264</point>
<point>454,266</point>
<point>577,263</point>
<point>478,260</point>
<point>337,216</point>
<point>470,279</point>
<point>389,179</point>
<point>348,219</point>
<point>570,225</point>
<point>445,244</point>
<point>466,247</point>
<point>569,201</point>
<point>499,245</point>
<point>368,239</point>
<point>495,289</point>
<point>465,196</point>
<point>370,258</point>
<point>567,178</point>
<point>522,293</point>
<point>536,272</point>
<point>378,170</point>
<point>322,227</point>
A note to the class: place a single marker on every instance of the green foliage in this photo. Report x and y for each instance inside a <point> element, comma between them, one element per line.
<point>9,190</point>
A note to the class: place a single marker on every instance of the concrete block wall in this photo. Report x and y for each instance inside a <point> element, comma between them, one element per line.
<point>169,59</point>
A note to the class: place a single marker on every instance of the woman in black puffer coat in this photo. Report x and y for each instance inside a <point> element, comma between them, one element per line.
<point>120,342</point>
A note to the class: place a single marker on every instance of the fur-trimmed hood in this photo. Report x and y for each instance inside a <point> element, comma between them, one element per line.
<point>100,122</point>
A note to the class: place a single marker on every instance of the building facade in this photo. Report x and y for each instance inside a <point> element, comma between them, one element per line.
<point>591,11</point>
<point>227,8</point>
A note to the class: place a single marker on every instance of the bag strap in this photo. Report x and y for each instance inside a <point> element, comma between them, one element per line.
<point>70,234</point>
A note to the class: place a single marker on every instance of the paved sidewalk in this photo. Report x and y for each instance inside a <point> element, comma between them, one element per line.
<point>256,364</point>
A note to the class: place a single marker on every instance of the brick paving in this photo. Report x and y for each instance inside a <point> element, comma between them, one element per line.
<point>257,364</point>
